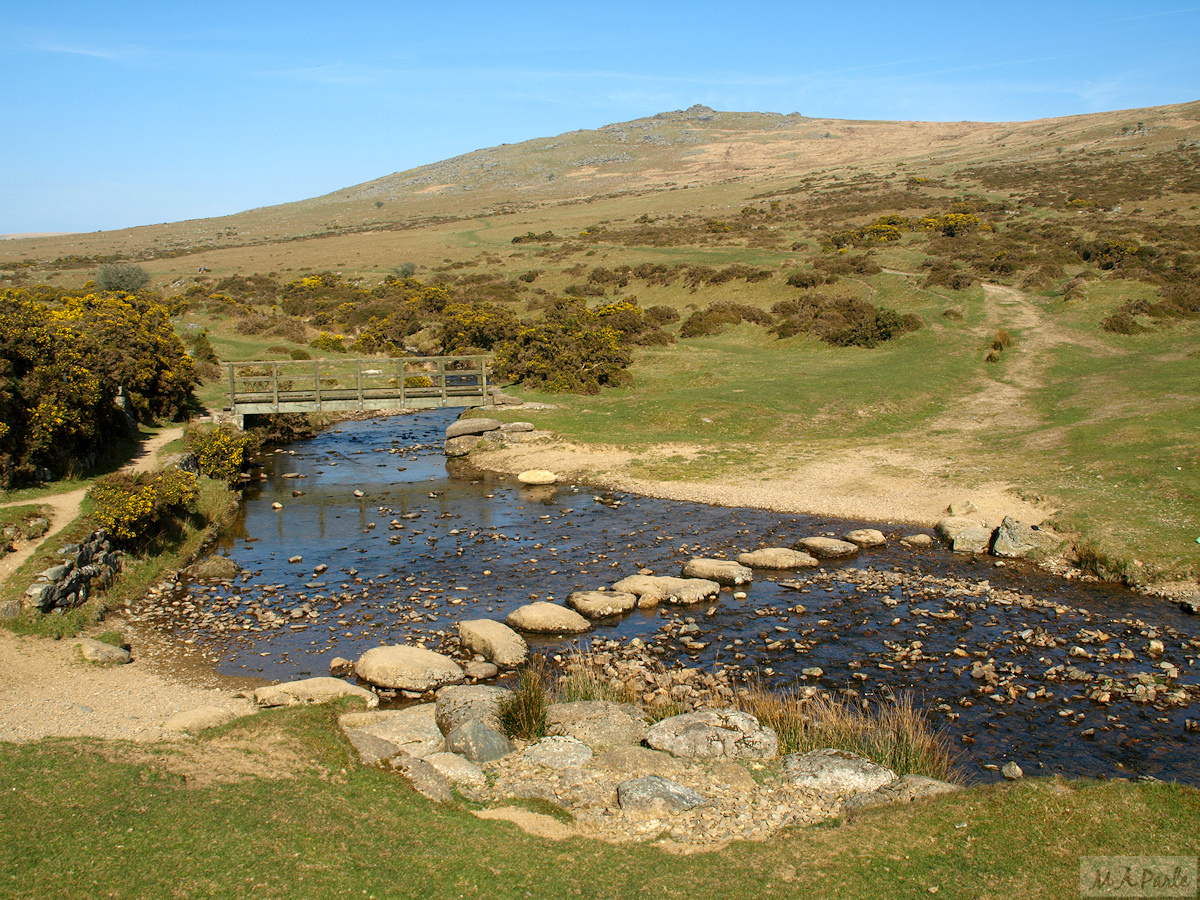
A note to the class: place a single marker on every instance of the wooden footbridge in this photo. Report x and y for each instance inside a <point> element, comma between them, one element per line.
<point>306,386</point>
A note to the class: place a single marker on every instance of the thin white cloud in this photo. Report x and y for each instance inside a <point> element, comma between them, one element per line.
<point>112,55</point>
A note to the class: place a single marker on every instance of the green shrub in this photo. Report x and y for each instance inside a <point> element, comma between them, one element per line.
<point>120,276</point>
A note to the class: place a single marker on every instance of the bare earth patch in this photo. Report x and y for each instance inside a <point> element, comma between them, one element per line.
<point>873,484</point>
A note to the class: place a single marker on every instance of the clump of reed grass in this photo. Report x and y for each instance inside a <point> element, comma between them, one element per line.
<point>522,714</point>
<point>1001,340</point>
<point>892,732</point>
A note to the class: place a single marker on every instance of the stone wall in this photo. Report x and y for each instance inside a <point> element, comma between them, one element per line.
<point>90,565</point>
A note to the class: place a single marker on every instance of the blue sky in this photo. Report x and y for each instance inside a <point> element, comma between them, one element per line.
<point>119,114</point>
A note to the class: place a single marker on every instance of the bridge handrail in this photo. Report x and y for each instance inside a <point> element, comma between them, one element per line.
<point>366,383</point>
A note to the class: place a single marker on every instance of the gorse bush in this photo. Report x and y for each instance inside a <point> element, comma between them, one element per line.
<point>63,358</point>
<point>137,509</point>
<point>220,451</point>
<point>841,321</point>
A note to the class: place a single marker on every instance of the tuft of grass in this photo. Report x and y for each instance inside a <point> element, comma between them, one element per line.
<point>1001,339</point>
<point>112,637</point>
<point>522,714</point>
<point>892,733</point>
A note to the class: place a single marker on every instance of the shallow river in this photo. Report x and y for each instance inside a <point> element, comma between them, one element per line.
<point>1012,663</point>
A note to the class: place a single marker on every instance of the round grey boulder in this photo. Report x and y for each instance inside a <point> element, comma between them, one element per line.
<point>460,446</point>
<point>547,618</point>
<point>406,668</point>
<point>601,604</point>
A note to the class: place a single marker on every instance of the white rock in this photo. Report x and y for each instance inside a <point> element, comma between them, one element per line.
<point>826,548</point>
<point>654,589</point>
<point>457,770</point>
<point>413,731</point>
<point>556,752</point>
<point>713,734</point>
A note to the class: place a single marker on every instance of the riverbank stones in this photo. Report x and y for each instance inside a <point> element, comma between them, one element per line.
<point>972,540</point>
<point>474,426</point>
<point>835,771</point>
<point>950,526</point>
<point>722,571</point>
<point>654,589</point>
<point>536,477</point>
<point>601,604</point>
<point>406,668</point>
<point>558,752</point>
<point>547,618</point>
<point>826,547</point>
<point>308,691</point>
<point>714,734</point>
<point>494,641</point>
<point>777,558</point>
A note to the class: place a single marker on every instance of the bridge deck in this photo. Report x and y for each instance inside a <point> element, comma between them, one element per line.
<point>302,386</point>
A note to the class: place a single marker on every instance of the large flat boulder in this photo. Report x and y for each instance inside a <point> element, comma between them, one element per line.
<point>494,641</point>
<point>547,618</point>
<point>601,604</point>
<point>460,446</point>
<point>558,752</point>
<point>833,771</point>
<point>407,668</point>
<point>598,723</point>
<point>99,651</point>
<point>777,558</point>
<point>723,571</point>
<point>413,731</point>
<point>312,690</point>
<point>654,589</point>
<point>714,734</point>
<point>972,540</point>
<point>471,426</point>
<point>537,476</point>
<point>826,547</point>
<point>906,789</point>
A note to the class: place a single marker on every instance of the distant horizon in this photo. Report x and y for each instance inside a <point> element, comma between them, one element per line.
<point>136,113</point>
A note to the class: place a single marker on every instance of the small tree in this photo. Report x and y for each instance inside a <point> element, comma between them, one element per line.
<point>122,277</point>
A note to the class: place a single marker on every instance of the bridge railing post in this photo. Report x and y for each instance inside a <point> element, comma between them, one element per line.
<point>275,385</point>
<point>232,391</point>
<point>317,383</point>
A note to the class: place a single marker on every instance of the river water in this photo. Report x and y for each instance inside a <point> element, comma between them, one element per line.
<point>1007,660</point>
